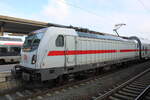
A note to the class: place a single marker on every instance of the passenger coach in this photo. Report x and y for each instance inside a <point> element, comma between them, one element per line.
<point>10,49</point>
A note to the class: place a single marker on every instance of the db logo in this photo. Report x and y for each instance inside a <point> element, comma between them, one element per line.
<point>25,57</point>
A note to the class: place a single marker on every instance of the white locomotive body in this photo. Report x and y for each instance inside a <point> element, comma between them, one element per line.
<point>51,52</point>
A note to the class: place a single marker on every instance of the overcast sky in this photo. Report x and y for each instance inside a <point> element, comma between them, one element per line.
<point>98,15</point>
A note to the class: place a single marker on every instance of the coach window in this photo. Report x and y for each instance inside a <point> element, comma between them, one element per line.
<point>60,41</point>
<point>3,51</point>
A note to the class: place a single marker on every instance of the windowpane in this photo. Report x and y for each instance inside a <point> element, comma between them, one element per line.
<point>3,51</point>
<point>60,41</point>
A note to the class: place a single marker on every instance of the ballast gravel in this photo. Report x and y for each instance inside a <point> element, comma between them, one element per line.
<point>88,90</point>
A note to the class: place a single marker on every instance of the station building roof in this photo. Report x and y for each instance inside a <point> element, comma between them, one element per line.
<point>19,25</point>
<point>25,26</point>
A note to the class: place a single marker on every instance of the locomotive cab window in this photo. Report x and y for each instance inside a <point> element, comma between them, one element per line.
<point>60,41</point>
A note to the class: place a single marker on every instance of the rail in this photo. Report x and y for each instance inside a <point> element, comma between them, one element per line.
<point>142,95</point>
<point>106,95</point>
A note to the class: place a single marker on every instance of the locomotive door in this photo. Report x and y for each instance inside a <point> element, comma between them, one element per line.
<point>70,47</point>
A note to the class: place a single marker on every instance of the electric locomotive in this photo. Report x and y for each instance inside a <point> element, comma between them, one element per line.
<point>52,52</point>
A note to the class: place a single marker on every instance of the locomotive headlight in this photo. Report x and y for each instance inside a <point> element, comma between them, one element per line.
<point>34,58</point>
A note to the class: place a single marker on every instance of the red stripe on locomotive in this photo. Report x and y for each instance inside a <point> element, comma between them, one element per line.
<point>79,52</point>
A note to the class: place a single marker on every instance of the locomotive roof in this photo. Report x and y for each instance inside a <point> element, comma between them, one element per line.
<point>81,32</point>
<point>104,36</point>
<point>84,32</point>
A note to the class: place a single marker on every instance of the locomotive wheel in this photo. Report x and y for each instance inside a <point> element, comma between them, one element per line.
<point>59,80</point>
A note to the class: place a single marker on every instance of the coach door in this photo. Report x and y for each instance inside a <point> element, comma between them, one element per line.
<point>70,50</point>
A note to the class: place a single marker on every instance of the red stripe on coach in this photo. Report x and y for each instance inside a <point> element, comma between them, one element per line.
<point>13,44</point>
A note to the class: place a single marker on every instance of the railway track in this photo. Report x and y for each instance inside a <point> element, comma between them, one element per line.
<point>137,88</point>
<point>38,93</point>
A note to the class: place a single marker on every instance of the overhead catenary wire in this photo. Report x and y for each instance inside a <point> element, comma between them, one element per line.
<point>81,8</point>
<point>88,11</point>
<point>144,6</point>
